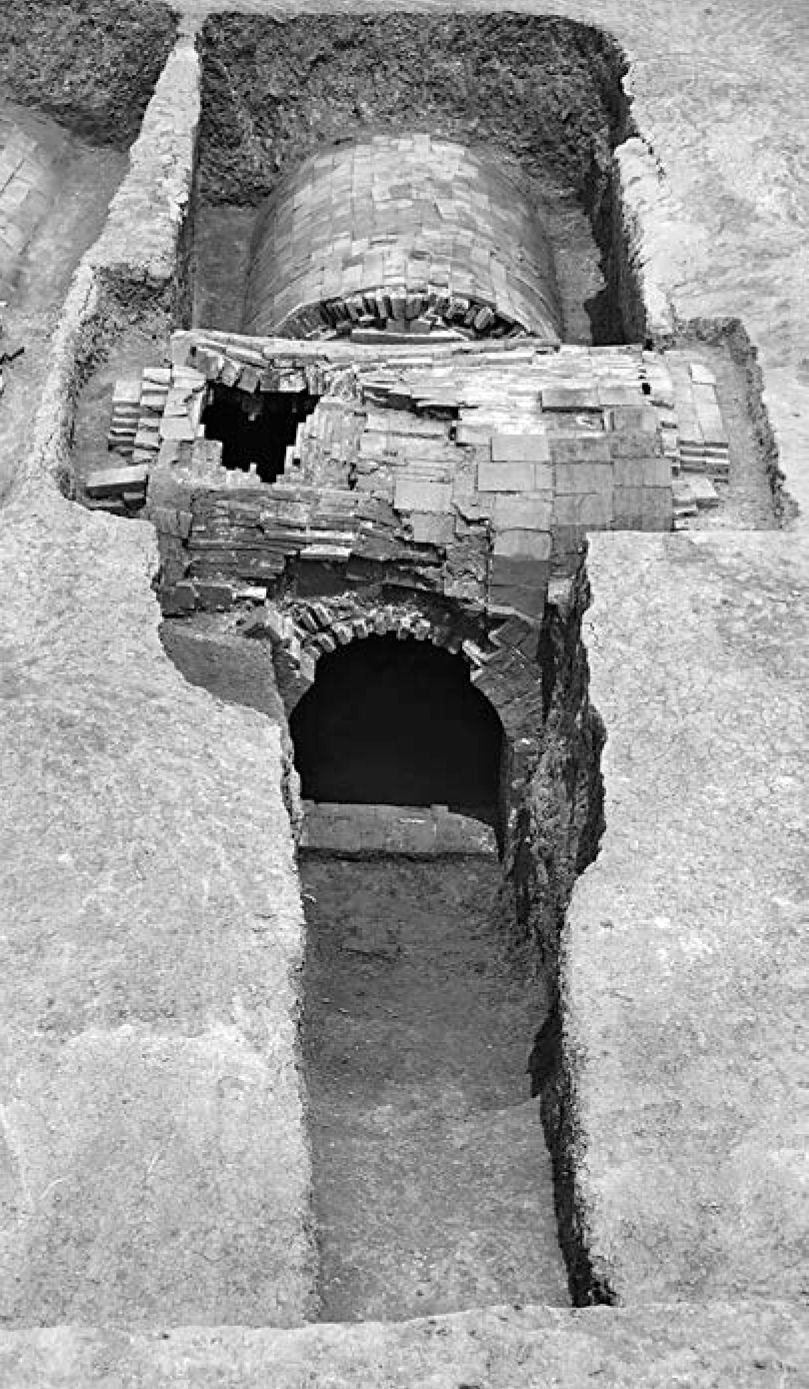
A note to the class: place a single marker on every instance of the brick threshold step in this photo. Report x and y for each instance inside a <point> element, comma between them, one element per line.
<point>761,1344</point>
<point>367,831</point>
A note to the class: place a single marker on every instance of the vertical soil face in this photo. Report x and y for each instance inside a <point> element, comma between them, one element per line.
<point>432,1182</point>
<point>90,63</point>
<point>544,92</point>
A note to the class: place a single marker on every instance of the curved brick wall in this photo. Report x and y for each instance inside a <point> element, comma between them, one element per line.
<point>411,234</point>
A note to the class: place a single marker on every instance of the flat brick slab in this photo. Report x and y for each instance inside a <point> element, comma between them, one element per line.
<point>513,447</point>
<point>364,831</point>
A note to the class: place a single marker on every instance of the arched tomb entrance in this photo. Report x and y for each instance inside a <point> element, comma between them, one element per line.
<point>432,1184</point>
<point>398,722</point>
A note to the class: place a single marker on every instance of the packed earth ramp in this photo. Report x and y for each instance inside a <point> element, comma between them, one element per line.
<point>155,1164</point>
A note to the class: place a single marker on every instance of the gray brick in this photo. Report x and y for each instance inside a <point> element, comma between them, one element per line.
<point>592,447</point>
<point>620,393</point>
<point>570,398</point>
<point>523,513</point>
<point>636,444</point>
<point>709,414</point>
<point>179,427</point>
<point>473,434</point>
<point>583,477</point>
<point>506,477</point>
<point>412,494</point>
<point>518,583</point>
<point>528,544</point>
<point>638,419</point>
<point>112,482</point>
<point>522,447</point>
<point>657,503</point>
<point>591,509</point>
<point>627,502</point>
<point>431,528</point>
<point>642,472</point>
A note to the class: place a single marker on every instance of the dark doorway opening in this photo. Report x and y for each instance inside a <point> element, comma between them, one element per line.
<point>256,428</point>
<point>397,722</point>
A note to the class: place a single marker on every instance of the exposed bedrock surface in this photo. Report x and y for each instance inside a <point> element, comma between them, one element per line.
<point>152,1153</point>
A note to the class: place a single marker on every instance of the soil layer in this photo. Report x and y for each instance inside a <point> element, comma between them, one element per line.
<point>544,92</point>
<point>90,63</point>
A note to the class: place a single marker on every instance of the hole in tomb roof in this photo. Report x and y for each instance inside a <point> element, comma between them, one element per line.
<point>255,429</point>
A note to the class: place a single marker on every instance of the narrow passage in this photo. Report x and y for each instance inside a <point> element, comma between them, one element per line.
<point>432,1181</point>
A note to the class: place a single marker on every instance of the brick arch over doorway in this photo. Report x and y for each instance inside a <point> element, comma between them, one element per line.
<point>502,662</point>
<point>502,659</point>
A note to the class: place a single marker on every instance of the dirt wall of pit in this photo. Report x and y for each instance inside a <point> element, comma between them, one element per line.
<point>544,92</point>
<point>90,63</point>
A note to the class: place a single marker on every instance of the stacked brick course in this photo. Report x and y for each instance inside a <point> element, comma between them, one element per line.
<point>414,235</point>
<point>479,467</point>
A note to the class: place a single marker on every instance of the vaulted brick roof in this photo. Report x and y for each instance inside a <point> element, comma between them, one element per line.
<point>413,234</point>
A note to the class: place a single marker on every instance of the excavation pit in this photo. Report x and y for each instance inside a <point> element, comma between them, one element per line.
<point>540,98</point>
<point>154,969</point>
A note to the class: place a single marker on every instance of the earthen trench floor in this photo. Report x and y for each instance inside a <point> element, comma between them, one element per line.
<point>432,1182</point>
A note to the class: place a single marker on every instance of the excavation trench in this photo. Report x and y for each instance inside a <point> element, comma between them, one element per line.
<point>431,984</point>
<point>433,1186</point>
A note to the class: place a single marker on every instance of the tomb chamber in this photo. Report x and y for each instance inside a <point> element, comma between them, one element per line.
<point>408,235</point>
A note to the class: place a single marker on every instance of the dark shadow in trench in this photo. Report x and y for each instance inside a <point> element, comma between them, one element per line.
<point>397,722</point>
